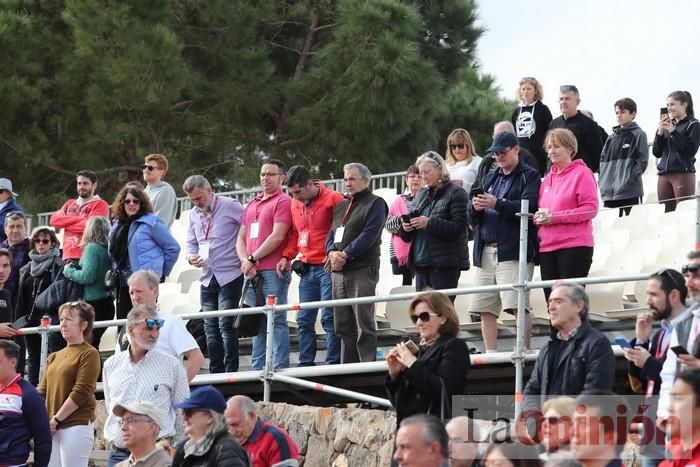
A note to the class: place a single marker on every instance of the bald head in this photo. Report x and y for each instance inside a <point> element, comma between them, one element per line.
<point>464,436</point>
<point>504,126</point>
<point>240,416</point>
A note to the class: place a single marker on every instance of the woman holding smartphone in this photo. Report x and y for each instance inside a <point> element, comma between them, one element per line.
<point>398,250</point>
<point>423,379</point>
<point>676,142</point>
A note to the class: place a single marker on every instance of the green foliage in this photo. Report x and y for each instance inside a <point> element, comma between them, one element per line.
<point>219,85</point>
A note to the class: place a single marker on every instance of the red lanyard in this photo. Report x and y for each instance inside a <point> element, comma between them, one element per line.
<point>347,211</point>
<point>660,352</point>
<point>13,381</point>
<point>210,218</point>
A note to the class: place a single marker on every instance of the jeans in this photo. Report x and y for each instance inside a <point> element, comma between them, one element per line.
<point>116,457</point>
<point>222,341</point>
<point>280,336</point>
<point>316,285</point>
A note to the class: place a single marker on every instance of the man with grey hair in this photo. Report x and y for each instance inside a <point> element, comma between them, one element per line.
<point>421,442</point>
<point>211,235</point>
<point>174,337</point>
<point>464,437</point>
<point>266,444</point>
<point>590,143</point>
<point>577,357</point>
<point>142,373</point>
<point>352,246</point>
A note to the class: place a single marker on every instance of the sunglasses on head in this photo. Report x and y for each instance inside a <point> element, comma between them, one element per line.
<point>425,316</point>
<point>690,268</point>
<point>527,78</point>
<point>153,323</point>
<point>665,272</point>
<point>150,168</point>
<point>132,201</point>
<point>457,146</point>
<point>43,241</point>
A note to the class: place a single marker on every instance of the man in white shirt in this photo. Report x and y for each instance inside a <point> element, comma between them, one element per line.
<point>143,373</point>
<point>174,339</point>
<point>686,329</point>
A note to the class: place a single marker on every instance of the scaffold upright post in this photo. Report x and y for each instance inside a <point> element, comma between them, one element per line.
<point>44,331</point>
<point>269,340</point>
<point>697,216</point>
<point>521,286</point>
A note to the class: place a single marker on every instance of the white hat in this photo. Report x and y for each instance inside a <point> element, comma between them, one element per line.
<point>6,184</point>
<point>141,408</point>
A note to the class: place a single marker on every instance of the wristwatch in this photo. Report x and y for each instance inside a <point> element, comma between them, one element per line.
<point>251,258</point>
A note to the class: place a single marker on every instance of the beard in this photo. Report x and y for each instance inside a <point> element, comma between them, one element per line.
<point>659,315</point>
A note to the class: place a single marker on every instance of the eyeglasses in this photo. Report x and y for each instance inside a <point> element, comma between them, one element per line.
<point>153,323</point>
<point>130,420</point>
<point>457,146</point>
<point>150,168</point>
<point>425,316</point>
<point>671,277</point>
<point>43,241</point>
<point>270,174</point>
<point>189,412</point>
<point>132,201</point>
<point>690,268</point>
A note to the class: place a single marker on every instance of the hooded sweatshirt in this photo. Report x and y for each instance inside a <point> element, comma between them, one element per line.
<point>623,161</point>
<point>571,195</point>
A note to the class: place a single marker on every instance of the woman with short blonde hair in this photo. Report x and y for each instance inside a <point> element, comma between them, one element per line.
<point>531,120</point>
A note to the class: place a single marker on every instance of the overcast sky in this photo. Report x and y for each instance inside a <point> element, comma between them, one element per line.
<point>610,49</point>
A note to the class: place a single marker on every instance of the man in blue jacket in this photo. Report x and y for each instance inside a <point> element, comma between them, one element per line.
<point>7,204</point>
<point>23,415</point>
<point>493,213</point>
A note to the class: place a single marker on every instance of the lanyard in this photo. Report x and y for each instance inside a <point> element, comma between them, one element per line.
<point>210,218</point>
<point>661,351</point>
<point>347,211</point>
<point>13,381</point>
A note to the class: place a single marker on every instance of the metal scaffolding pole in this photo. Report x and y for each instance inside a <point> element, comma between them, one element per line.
<point>331,390</point>
<point>697,216</point>
<point>521,286</point>
<point>269,340</point>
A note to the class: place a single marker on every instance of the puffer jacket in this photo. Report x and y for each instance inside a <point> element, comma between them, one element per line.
<point>677,149</point>
<point>225,451</point>
<point>447,225</point>
<point>623,160</point>
<point>150,245</point>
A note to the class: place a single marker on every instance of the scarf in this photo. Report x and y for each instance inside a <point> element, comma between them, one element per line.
<point>401,248</point>
<point>201,447</point>
<point>119,247</point>
<point>42,263</point>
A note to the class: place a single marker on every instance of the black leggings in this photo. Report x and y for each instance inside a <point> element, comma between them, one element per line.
<point>104,311</point>
<point>565,264</point>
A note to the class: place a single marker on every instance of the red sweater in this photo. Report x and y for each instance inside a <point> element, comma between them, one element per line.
<point>72,219</point>
<point>315,219</point>
<point>269,445</point>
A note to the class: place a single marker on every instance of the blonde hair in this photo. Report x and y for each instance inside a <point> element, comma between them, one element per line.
<point>457,136</point>
<point>435,159</point>
<point>563,137</point>
<point>564,405</point>
<point>539,93</point>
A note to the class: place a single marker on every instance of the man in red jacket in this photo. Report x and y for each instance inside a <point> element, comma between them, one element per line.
<point>74,214</point>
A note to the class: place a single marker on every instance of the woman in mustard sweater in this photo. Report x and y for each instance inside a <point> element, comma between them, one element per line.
<point>68,385</point>
<point>91,270</point>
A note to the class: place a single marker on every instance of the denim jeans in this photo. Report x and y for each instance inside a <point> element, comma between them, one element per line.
<point>116,457</point>
<point>315,285</point>
<point>280,336</point>
<point>222,341</point>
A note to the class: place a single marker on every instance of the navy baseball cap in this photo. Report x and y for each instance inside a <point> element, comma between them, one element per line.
<point>205,397</point>
<point>503,141</point>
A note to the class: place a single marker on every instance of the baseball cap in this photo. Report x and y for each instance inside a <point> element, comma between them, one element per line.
<point>205,397</point>
<point>503,141</point>
<point>142,408</point>
<point>6,184</point>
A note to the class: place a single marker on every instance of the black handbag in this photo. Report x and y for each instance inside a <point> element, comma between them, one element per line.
<point>249,325</point>
<point>112,279</point>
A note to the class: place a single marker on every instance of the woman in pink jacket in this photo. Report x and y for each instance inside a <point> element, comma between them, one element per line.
<point>568,203</point>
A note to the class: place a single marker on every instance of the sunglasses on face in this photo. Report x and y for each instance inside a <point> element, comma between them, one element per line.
<point>457,146</point>
<point>132,201</point>
<point>189,412</point>
<point>153,323</point>
<point>150,168</point>
<point>552,420</point>
<point>43,241</point>
<point>425,316</point>
<point>693,268</point>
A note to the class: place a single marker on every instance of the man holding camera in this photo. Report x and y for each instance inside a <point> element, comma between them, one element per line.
<point>312,214</point>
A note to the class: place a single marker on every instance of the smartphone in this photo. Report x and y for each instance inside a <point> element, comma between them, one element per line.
<point>412,347</point>
<point>479,191</point>
<point>20,323</point>
<point>663,110</point>
<point>622,342</point>
<point>679,350</point>
<point>405,218</point>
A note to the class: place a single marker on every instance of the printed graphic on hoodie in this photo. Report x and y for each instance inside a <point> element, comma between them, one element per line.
<point>525,125</point>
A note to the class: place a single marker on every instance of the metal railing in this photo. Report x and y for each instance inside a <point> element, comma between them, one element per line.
<point>393,180</point>
<point>294,376</point>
